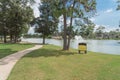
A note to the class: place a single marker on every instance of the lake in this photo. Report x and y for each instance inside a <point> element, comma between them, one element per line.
<point>103,46</point>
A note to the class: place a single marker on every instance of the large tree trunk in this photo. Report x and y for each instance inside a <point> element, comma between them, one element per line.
<point>68,46</point>
<point>65,33</point>
<point>65,29</point>
<point>71,20</point>
<point>43,39</point>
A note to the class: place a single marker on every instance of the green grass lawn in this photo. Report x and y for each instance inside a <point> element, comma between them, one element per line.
<point>7,49</point>
<point>51,63</point>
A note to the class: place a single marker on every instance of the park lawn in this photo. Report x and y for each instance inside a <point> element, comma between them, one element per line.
<point>7,49</point>
<point>51,63</point>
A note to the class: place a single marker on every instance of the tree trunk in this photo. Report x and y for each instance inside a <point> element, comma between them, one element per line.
<point>43,39</point>
<point>15,38</point>
<point>11,37</point>
<point>5,36</point>
<point>65,33</point>
<point>65,28</point>
<point>69,36</point>
<point>68,46</point>
<point>5,41</point>
<point>1,38</point>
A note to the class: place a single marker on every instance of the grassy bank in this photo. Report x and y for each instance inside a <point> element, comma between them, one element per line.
<point>50,63</point>
<point>7,49</point>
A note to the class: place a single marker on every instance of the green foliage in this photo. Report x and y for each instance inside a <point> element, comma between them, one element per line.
<point>72,9</point>
<point>86,28</point>
<point>47,23</point>
<point>32,36</point>
<point>100,33</point>
<point>15,17</point>
<point>118,6</point>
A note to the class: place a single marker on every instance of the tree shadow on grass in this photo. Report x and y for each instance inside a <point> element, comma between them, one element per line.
<point>6,52</point>
<point>49,53</point>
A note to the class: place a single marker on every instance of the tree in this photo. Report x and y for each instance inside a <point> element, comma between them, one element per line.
<point>47,23</point>
<point>15,16</point>
<point>3,17</point>
<point>71,9</point>
<point>118,6</point>
<point>100,32</point>
<point>85,30</point>
<point>75,11</point>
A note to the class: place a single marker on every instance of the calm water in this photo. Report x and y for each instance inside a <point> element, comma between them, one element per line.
<point>103,46</point>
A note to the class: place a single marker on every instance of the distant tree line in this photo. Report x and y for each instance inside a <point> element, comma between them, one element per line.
<point>101,33</point>
<point>31,36</point>
<point>90,32</point>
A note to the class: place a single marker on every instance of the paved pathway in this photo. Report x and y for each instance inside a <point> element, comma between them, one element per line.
<point>7,63</point>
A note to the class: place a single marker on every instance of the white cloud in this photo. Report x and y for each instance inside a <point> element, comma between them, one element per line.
<point>36,12</point>
<point>37,1</point>
<point>96,26</point>
<point>35,8</point>
<point>114,0</point>
<point>92,19</point>
<point>108,28</point>
<point>31,30</point>
<point>109,10</point>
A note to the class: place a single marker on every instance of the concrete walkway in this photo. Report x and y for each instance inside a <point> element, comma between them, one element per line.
<point>7,63</point>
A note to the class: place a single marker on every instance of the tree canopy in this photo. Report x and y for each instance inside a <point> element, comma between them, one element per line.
<point>46,23</point>
<point>72,9</point>
<point>15,17</point>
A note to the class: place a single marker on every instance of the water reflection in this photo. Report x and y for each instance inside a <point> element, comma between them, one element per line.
<point>103,46</point>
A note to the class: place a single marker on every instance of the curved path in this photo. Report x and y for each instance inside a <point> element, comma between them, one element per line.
<point>7,63</point>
